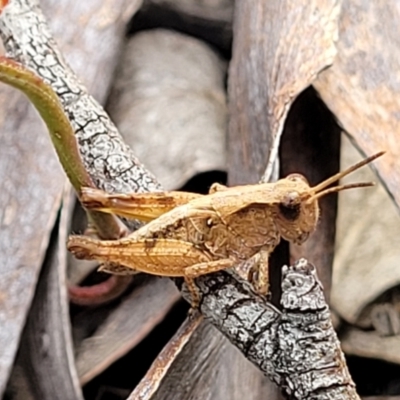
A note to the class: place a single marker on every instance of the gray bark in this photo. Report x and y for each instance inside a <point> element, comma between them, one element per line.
<point>297,347</point>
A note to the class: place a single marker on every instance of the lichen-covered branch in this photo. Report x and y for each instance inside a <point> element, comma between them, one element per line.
<point>297,347</point>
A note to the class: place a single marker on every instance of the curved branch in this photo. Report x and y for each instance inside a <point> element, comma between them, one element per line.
<point>296,347</point>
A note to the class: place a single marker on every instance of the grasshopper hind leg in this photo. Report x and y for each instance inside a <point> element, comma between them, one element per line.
<point>142,206</point>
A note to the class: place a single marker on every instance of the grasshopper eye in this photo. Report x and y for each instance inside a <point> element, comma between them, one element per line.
<point>289,207</point>
<point>297,178</point>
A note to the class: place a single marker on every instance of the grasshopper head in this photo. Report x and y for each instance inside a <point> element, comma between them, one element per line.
<point>295,216</point>
<point>297,209</point>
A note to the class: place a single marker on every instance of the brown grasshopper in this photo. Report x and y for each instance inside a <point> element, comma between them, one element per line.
<point>190,235</point>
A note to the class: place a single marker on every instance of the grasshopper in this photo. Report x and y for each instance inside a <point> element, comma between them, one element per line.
<point>188,235</point>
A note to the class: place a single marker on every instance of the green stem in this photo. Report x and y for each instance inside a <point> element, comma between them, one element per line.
<point>61,133</point>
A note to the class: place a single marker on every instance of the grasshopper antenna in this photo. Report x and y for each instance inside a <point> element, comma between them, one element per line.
<point>339,189</point>
<point>340,175</point>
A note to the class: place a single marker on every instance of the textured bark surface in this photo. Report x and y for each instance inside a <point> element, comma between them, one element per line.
<point>278,48</point>
<point>362,88</point>
<point>297,347</point>
<point>310,368</point>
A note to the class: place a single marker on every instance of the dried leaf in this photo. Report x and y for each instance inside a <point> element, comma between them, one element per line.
<point>371,345</point>
<point>46,353</point>
<point>362,88</point>
<point>199,363</point>
<point>279,48</point>
<point>31,174</point>
<point>366,254</point>
<point>125,327</point>
<point>169,103</point>
<point>160,368</point>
